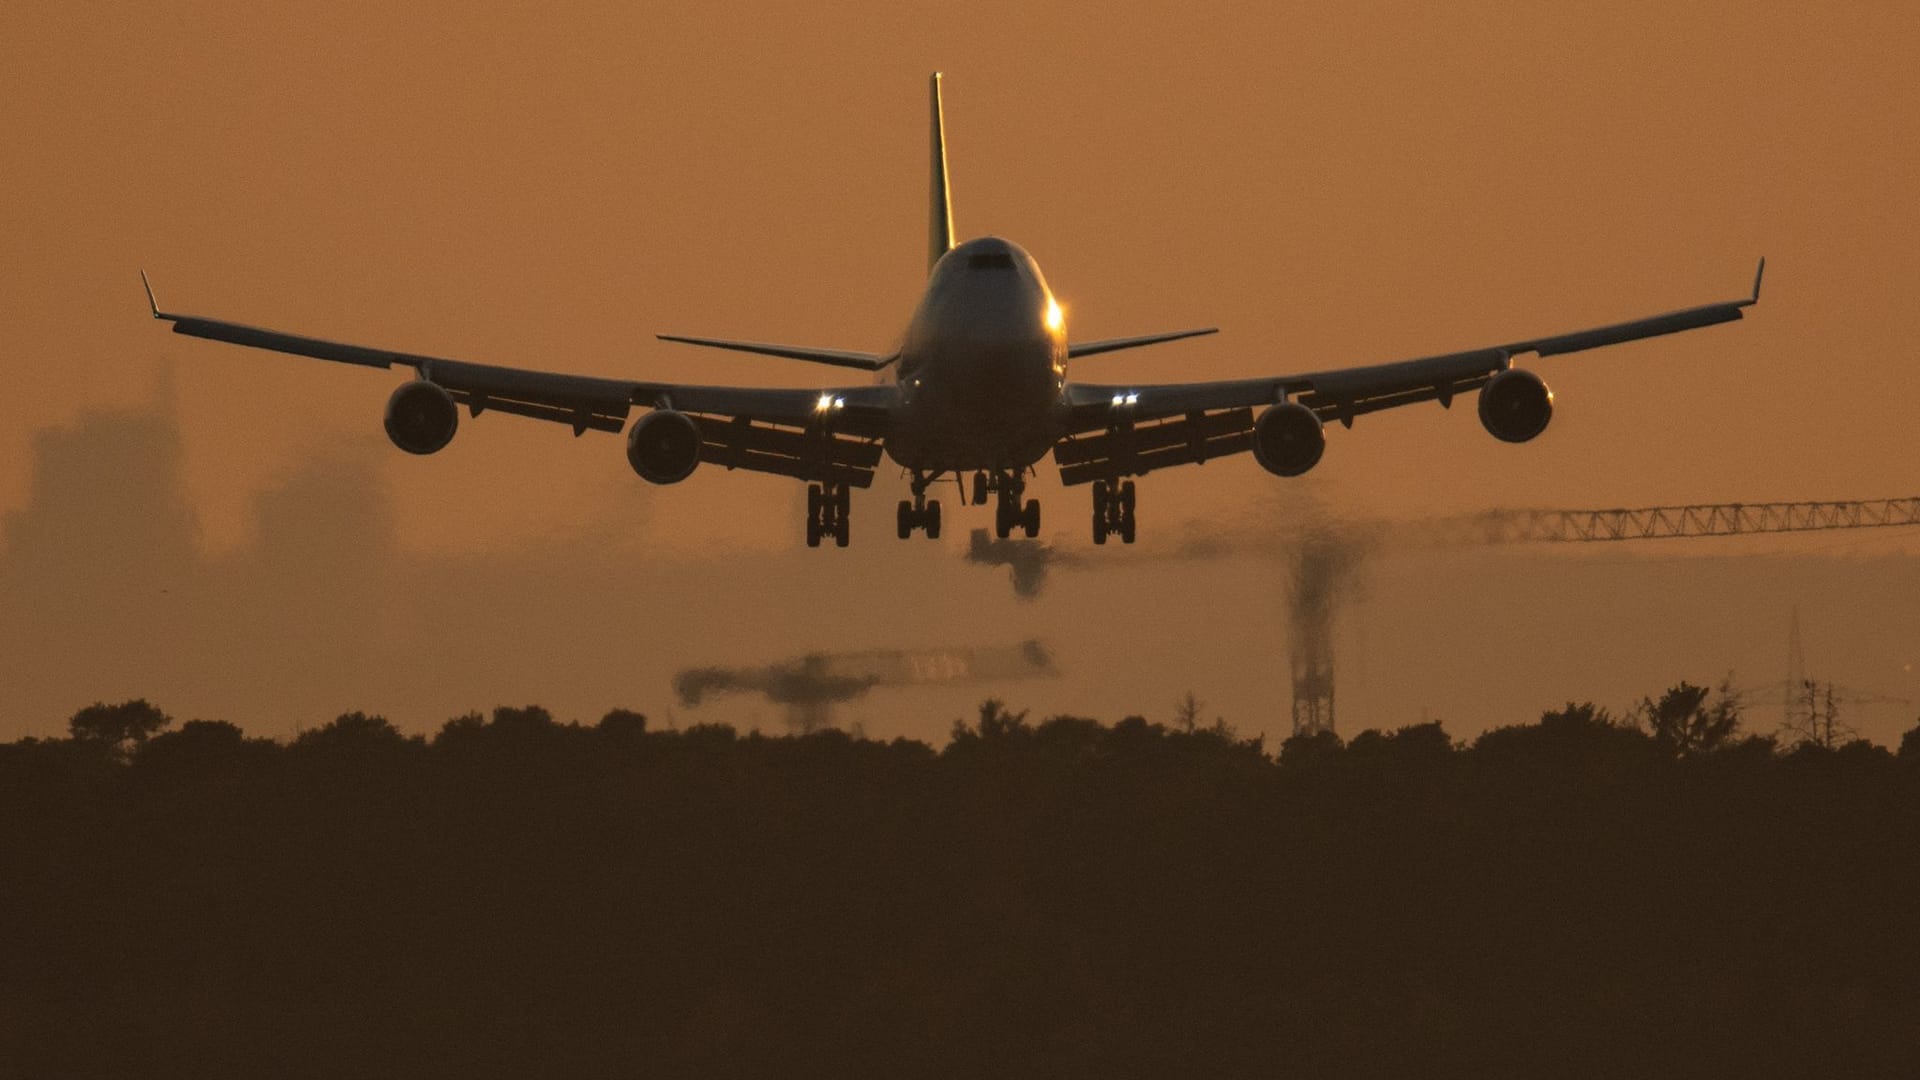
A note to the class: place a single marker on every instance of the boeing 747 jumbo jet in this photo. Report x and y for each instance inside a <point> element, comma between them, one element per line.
<point>979,386</point>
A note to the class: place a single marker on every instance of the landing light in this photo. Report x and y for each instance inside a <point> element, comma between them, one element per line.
<point>1121,400</point>
<point>1055,317</point>
<point>828,403</point>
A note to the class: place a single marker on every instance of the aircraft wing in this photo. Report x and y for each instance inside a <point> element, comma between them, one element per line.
<point>762,429</point>
<point>836,357</point>
<point>1184,422</point>
<point>1090,348</point>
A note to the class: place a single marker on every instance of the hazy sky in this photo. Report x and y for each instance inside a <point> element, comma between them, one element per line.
<point>1348,183</point>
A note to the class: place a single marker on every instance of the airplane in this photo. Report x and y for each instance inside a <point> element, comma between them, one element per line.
<point>978,386</point>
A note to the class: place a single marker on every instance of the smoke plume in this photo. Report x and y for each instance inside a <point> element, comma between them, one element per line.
<point>809,685</point>
<point>1028,560</point>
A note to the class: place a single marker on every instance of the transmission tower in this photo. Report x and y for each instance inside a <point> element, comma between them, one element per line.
<point>1323,567</point>
<point>1810,708</point>
<point>1312,669</point>
<point>1796,711</point>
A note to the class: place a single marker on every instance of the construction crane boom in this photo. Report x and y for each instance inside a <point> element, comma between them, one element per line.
<point>1663,522</point>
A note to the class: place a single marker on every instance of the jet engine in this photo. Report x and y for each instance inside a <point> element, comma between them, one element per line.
<point>663,446</point>
<point>421,417</point>
<point>1288,439</point>
<point>1515,405</point>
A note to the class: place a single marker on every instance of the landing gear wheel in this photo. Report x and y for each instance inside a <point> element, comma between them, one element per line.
<point>1113,511</point>
<point>920,512</point>
<point>979,488</point>
<point>828,509</point>
<point>1009,512</point>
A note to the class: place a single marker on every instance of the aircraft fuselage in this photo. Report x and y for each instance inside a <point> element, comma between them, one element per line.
<point>983,366</point>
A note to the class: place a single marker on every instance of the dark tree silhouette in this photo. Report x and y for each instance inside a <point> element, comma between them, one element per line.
<point>1683,724</point>
<point>1910,744</point>
<point>623,723</point>
<point>1412,745</point>
<point>1583,715</point>
<point>521,896</point>
<point>530,718</point>
<point>119,729</point>
<point>1186,712</point>
<point>1309,750</point>
<point>354,732</point>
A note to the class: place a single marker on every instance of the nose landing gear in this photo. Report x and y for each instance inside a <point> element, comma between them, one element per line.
<point>827,512</point>
<point>1113,511</point>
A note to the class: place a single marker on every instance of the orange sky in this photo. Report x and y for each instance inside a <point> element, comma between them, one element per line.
<point>1347,184</point>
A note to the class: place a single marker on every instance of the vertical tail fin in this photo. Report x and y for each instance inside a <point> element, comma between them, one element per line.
<point>940,233</point>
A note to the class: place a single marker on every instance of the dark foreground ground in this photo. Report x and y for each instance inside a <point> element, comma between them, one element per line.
<point>516,897</point>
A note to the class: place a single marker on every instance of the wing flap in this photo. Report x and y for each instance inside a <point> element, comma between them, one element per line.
<point>740,443</point>
<point>1136,449</point>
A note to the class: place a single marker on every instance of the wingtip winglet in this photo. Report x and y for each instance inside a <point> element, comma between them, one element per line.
<point>152,304</point>
<point>1757,275</point>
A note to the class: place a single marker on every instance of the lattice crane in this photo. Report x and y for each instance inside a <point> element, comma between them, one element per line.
<point>1665,522</point>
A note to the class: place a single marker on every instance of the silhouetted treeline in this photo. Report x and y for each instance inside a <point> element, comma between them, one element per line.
<point>516,896</point>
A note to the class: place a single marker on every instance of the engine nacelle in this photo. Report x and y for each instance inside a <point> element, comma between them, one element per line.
<point>663,446</point>
<point>1515,405</point>
<point>421,417</point>
<point>1288,439</point>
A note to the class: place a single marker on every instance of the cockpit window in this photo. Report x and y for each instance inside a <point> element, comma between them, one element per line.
<point>1000,260</point>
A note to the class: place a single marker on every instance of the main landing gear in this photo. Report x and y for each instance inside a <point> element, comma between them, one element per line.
<point>920,512</point>
<point>827,512</point>
<point>1010,512</point>
<point>1113,511</point>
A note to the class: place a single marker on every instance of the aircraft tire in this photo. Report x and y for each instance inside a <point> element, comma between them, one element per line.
<point>932,520</point>
<point>905,519</point>
<point>1030,520</point>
